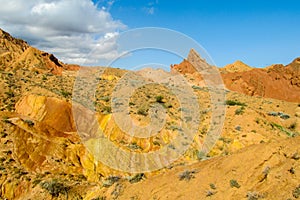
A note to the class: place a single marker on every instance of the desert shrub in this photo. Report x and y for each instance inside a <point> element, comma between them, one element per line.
<point>159,99</point>
<point>281,128</point>
<point>225,140</point>
<point>134,146</point>
<point>10,94</point>
<point>65,94</point>
<point>187,175</point>
<point>234,183</point>
<point>238,128</point>
<point>106,109</point>
<point>35,182</point>
<point>29,122</point>
<point>212,186</point>
<point>105,98</point>
<point>109,181</point>
<point>240,110</point>
<point>137,178</point>
<point>142,111</point>
<point>253,196</point>
<point>5,119</point>
<point>293,126</point>
<point>295,156</point>
<point>210,193</point>
<point>234,103</point>
<point>117,191</point>
<point>99,198</point>
<point>3,135</point>
<point>55,188</point>
<point>296,192</point>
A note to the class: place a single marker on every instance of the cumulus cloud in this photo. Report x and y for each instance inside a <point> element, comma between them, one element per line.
<point>70,29</point>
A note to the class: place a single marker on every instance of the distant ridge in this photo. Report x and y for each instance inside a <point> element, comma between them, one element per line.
<point>277,81</point>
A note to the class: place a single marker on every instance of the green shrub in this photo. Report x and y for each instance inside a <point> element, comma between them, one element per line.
<point>29,122</point>
<point>159,99</point>
<point>296,192</point>
<point>105,98</point>
<point>55,188</point>
<point>5,119</point>
<point>234,183</point>
<point>137,178</point>
<point>106,109</point>
<point>109,181</point>
<point>10,94</point>
<point>234,103</point>
<point>212,186</point>
<point>240,110</point>
<point>65,94</point>
<point>281,128</point>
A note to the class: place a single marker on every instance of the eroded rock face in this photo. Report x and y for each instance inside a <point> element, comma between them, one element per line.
<point>16,53</point>
<point>51,111</point>
<point>277,81</point>
<point>46,139</point>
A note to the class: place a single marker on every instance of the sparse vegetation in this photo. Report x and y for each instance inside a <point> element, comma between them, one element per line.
<point>210,193</point>
<point>47,161</point>
<point>142,111</point>
<point>293,126</point>
<point>187,175</point>
<point>55,188</point>
<point>159,99</point>
<point>29,122</point>
<point>234,103</point>
<point>254,196</point>
<point>99,198</point>
<point>106,109</point>
<point>137,178</point>
<point>212,186</point>
<point>5,119</point>
<point>281,128</point>
<point>296,192</point>
<point>240,110</point>
<point>110,181</point>
<point>234,183</point>
<point>65,94</point>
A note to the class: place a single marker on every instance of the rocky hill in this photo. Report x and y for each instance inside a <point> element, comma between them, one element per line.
<point>237,66</point>
<point>49,153</point>
<point>16,54</point>
<point>277,81</point>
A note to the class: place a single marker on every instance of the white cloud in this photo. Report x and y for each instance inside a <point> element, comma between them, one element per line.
<point>151,11</point>
<point>70,29</point>
<point>150,8</point>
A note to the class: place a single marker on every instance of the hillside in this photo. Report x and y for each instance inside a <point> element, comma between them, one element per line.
<point>52,126</point>
<point>277,81</point>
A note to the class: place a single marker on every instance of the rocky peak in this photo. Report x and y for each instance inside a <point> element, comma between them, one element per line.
<point>7,41</point>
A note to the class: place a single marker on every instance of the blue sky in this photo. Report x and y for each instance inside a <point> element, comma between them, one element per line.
<point>258,32</point>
